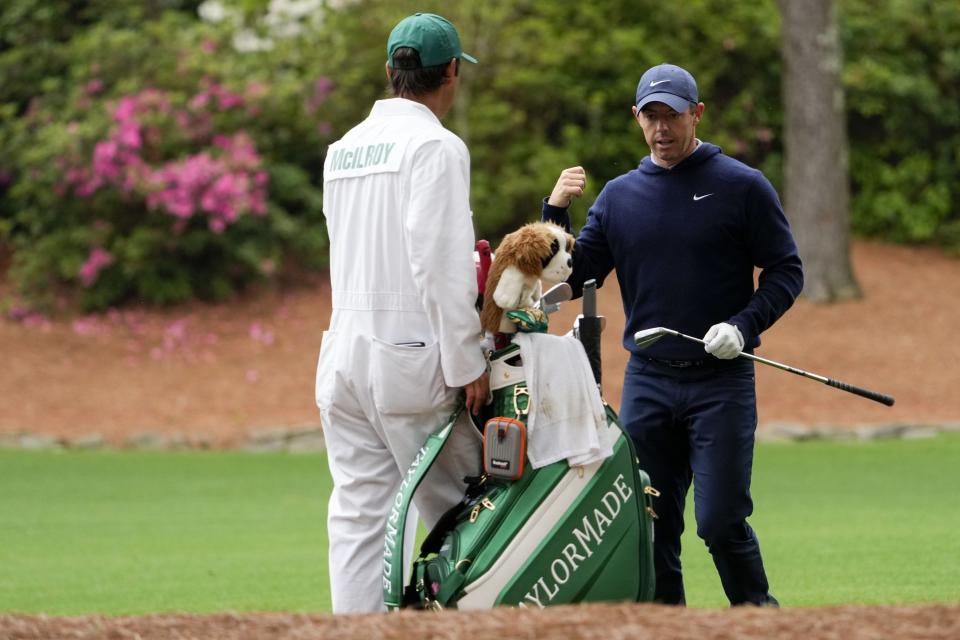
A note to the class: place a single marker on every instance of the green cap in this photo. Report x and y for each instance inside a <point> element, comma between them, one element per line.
<point>432,36</point>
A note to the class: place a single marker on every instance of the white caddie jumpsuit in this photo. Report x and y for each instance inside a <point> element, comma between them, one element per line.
<point>404,334</point>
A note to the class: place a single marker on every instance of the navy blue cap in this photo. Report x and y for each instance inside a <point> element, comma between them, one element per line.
<point>669,84</point>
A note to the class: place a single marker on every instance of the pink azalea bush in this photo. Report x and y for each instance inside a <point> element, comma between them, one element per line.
<point>195,184</point>
<point>221,182</point>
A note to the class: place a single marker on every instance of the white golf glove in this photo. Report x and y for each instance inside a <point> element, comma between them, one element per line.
<point>724,341</point>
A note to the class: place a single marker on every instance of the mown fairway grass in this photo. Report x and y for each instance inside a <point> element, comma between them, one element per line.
<point>130,533</point>
<point>125,532</point>
<point>849,522</point>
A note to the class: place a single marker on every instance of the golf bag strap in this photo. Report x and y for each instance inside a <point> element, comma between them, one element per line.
<point>434,539</point>
<point>397,520</point>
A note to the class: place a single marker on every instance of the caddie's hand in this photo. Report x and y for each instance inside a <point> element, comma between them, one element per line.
<point>724,341</point>
<point>477,392</point>
<point>570,185</point>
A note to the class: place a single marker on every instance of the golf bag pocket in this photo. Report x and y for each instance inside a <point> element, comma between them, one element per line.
<point>406,379</point>
<point>325,387</point>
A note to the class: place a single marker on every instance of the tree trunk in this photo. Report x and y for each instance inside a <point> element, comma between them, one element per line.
<point>816,167</point>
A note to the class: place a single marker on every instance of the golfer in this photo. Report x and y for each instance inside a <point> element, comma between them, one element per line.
<point>404,334</point>
<point>684,232</point>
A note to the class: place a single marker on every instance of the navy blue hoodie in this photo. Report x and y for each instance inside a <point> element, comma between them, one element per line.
<point>684,243</point>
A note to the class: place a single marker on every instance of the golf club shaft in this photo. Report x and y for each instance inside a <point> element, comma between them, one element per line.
<point>837,384</point>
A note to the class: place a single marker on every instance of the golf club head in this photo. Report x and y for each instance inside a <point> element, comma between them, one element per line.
<point>556,294</point>
<point>646,337</point>
<point>550,301</point>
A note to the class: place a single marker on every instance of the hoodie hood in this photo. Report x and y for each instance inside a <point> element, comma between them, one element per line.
<point>703,153</point>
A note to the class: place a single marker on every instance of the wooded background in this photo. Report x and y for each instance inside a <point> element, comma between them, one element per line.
<point>162,150</point>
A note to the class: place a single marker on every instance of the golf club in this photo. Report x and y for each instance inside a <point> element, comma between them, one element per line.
<point>645,337</point>
<point>589,327</point>
<point>551,299</point>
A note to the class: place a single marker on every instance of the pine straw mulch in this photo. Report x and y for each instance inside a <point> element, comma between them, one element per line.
<point>583,622</point>
<point>215,373</point>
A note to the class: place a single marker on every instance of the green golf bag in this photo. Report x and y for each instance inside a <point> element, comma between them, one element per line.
<point>555,535</point>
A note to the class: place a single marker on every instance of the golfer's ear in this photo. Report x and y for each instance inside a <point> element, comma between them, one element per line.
<point>386,67</point>
<point>451,71</point>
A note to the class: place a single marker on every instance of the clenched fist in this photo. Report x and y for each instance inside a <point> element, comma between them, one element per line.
<point>570,185</point>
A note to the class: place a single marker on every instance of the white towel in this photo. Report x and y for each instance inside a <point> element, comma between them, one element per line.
<point>566,415</point>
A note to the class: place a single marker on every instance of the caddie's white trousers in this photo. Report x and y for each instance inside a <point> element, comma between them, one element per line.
<point>378,404</point>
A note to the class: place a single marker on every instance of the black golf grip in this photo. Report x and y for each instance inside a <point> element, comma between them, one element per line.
<point>590,298</point>
<point>864,393</point>
<point>590,328</point>
<point>590,332</point>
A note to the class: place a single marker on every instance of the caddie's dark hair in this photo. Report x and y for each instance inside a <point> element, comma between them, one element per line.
<point>407,77</point>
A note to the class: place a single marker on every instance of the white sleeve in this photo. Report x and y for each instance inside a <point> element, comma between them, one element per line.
<point>439,234</point>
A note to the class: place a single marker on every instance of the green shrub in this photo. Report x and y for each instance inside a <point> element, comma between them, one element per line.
<point>556,81</point>
<point>902,77</point>
<point>90,216</point>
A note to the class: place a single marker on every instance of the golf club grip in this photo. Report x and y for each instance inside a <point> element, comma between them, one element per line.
<point>590,332</point>
<point>590,298</point>
<point>864,393</point>
<point>590,327</point>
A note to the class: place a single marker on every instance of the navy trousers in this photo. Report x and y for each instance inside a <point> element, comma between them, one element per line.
<point>697,424</point>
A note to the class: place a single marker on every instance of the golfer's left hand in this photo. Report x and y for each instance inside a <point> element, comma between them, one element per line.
<point>724,341</point>
<point>570,185</point>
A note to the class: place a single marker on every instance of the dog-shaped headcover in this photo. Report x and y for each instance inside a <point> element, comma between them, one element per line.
<point>534,251</point>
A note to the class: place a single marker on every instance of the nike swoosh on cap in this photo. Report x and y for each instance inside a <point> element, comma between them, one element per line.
<point>653,84</point>
<point>706,195</point>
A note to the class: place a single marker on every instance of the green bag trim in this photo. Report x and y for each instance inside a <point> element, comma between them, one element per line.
<point>617,539</point>
<point>397,521</point>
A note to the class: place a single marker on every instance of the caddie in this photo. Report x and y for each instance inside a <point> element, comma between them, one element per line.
<point>404,334</point>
